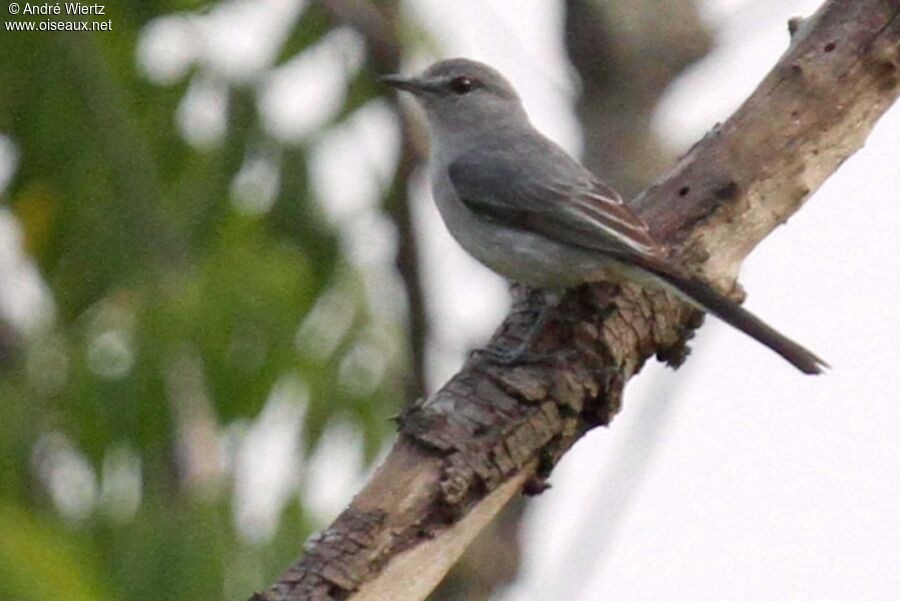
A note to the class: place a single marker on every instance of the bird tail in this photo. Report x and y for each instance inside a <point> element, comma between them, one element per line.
<point>708,299</point>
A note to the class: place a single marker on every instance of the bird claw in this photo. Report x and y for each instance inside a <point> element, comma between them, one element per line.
<point>519,355</point>
<point>510,357</point>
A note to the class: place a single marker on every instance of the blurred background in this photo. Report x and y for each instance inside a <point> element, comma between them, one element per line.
<point>221,275</point>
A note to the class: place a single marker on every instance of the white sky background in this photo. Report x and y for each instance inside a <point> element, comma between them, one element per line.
<point>737,477</point>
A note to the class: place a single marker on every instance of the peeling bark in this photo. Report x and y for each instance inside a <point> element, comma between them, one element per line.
<point>626,53</point>
<point>492,431</point>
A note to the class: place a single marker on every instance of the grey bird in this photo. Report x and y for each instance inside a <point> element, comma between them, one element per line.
<point>527,210</point>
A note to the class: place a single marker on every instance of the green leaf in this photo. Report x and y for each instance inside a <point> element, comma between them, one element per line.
<point>39,562</point>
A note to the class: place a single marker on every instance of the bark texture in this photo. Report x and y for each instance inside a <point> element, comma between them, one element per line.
<point>491,431</point>
<point>626,53</point>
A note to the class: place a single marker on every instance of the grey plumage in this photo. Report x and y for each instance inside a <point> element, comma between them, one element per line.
<point>524,208</point>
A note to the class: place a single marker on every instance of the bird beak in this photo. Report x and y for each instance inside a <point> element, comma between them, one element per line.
<point>407,84</point>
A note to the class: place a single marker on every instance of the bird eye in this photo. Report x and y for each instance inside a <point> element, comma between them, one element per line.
<point>462,85</point>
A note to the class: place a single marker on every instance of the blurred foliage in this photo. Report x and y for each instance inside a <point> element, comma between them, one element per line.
<point>176,314</point>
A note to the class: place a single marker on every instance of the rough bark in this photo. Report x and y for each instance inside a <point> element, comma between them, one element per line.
<point>626,53</point>
<point>492,431</point>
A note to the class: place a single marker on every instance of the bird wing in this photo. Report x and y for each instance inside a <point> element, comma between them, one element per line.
<point>556,198</point>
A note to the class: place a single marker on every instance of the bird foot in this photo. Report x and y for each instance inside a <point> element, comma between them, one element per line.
<point>520,355</point>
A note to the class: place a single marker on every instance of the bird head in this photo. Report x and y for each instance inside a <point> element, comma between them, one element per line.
<point>462,94</point>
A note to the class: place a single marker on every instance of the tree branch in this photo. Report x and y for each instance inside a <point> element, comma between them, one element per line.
<point>490,431</point>
<point>378,26</point>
